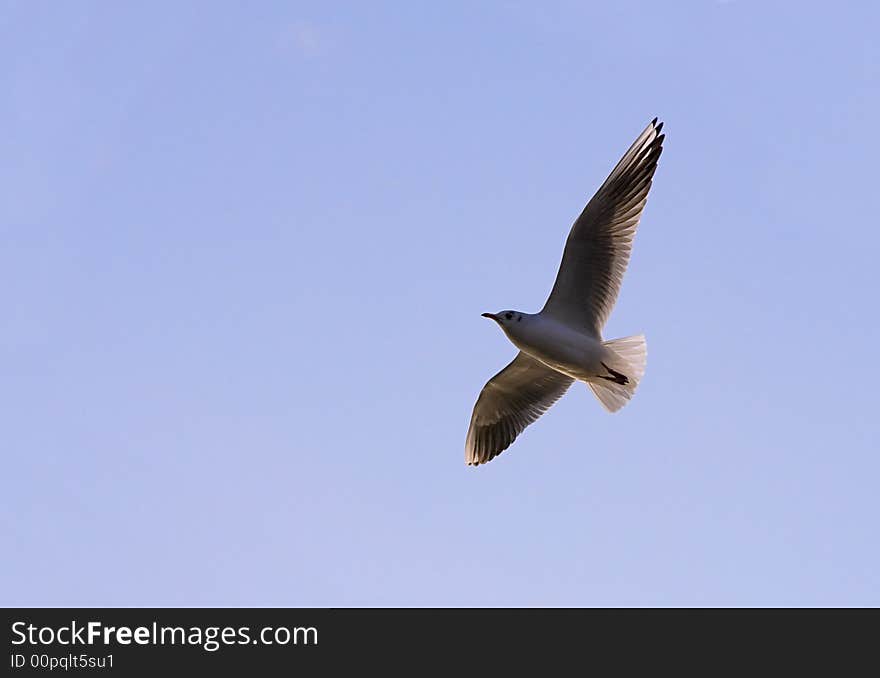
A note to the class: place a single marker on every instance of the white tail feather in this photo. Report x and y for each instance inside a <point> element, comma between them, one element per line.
<point>626,359</point>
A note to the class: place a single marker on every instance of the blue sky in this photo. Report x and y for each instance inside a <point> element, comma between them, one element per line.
<point>245,250</point>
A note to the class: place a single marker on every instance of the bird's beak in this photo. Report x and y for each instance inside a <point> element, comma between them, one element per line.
<point>489,315</point>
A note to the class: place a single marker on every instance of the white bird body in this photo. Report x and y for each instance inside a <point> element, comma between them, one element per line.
<point>569,350</point>
<point>563,342</point>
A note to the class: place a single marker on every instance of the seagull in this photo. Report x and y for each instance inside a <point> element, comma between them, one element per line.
<point>563,342</point>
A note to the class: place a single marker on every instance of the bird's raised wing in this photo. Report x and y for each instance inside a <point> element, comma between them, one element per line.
<point>598,247</point>
<point>510,401</point>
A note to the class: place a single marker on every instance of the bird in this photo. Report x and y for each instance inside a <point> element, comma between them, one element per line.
<point>563,342</point>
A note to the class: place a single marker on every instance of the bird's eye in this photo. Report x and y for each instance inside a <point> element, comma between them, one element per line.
<point>508,315</point>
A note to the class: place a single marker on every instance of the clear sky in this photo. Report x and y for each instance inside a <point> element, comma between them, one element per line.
<point>245,249</point>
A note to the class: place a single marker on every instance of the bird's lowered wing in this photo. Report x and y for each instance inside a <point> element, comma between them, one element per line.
<point>510,401</point>
<point>598,247</point>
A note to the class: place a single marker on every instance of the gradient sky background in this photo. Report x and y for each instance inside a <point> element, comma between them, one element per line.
<point>244,252</point>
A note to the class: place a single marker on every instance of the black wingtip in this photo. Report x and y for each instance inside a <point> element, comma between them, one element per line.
<point>654,121</point>
<point>658,128</point>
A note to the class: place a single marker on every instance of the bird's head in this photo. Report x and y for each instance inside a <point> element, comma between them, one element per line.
<point>506,319</point>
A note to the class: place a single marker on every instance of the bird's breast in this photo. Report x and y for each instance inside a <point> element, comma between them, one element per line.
<point>564,349</point>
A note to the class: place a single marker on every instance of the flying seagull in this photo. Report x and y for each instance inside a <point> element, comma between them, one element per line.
<point>563,342</point>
